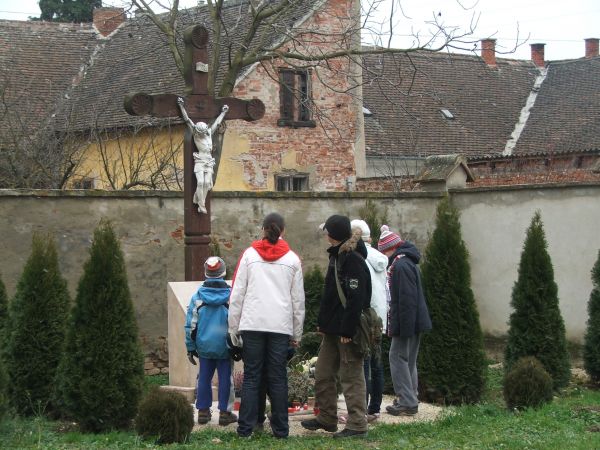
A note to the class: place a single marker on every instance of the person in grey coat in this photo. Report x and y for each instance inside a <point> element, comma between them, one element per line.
<point>408,317</point>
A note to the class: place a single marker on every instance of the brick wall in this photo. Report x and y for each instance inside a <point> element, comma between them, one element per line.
<point>572,167</point>
<point>326,152</point>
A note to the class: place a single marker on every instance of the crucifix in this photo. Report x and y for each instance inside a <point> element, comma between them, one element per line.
<point>199,106</point>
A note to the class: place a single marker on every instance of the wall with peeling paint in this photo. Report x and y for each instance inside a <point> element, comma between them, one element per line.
<point>149,225</point>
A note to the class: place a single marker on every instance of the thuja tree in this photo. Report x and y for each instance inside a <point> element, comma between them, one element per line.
<point>536,327</point>
<point>591,350</point>
<point>313,290</point>
<point>3,323</point>
<point>375,216</point>
<point>3,315</point>
<point>452,360</point>
<point>101,375</point>
<point>36,330</point>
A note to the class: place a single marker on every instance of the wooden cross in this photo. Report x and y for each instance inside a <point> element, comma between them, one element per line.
<point>200,106</point>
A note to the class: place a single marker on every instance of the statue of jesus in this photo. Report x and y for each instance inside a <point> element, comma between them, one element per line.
<point>203,159</point>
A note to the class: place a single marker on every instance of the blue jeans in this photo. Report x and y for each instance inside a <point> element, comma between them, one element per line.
<point>204,388</point>
<point>374,367</point>
<point>264,353</point>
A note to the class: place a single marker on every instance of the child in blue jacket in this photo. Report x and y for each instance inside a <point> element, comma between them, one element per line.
<point>206,339</point>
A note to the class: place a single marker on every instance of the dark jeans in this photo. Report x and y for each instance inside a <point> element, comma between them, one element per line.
<point>264,352</point>
<point>374,367</point>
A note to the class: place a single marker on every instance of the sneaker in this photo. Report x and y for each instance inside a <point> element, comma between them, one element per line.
<point>346,433</point>
<point>396,410</point>
<point>314,425</point>
<point>203,416</point>
<point>226,418</point>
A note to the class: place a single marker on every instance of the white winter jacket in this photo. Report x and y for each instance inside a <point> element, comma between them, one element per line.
<point>377,263</point>
<point>268,291</point>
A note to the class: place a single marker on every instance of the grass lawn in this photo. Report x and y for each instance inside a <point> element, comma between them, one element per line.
<point>572,421</point>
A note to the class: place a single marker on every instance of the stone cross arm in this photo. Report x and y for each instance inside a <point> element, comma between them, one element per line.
<point>198,106</point>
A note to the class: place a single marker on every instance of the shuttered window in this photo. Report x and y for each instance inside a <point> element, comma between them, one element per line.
<point>295,98</point>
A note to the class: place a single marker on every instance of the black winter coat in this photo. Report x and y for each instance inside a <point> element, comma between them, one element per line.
<point>408,310</point>
<point>355,281</point>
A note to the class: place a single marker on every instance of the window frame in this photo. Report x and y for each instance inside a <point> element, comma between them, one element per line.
<point>290,179</point>
<point>295,97</point>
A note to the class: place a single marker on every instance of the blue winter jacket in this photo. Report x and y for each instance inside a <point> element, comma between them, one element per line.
<point>206,320</point>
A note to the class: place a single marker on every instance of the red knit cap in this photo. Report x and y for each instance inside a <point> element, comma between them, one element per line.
<point>388,239</point>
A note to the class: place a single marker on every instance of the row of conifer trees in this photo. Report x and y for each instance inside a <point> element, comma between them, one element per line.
<point>80,361</point>
<point>85,362</point>
<point>452,362</point>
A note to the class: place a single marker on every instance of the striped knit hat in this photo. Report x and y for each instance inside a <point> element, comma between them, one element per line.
<point>388,239</point>
<point>214,267</point>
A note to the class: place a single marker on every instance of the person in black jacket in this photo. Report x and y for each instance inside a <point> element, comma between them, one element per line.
<point>408,318</point>
<point>338,323</point>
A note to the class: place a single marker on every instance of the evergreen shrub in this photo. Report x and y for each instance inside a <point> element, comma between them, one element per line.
<point>164,416</point>
<point>375,216</point>
<point>591,349</point>
<point>527,384</point>
<point>36,330</point>
<point>310,344</point>
<point>314,281</point>
<point>3,316</point>
<point>452,365</point>
<point>101,375</point>
<point>536,327</point>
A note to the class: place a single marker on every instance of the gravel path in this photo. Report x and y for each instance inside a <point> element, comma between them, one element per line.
<point>427,412</point>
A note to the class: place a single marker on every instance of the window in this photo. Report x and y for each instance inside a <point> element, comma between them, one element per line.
<point>295,98</point>
<point>84,183</point>
<point>291,183</point>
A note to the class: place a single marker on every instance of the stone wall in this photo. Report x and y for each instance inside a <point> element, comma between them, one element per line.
<point>150,228</point>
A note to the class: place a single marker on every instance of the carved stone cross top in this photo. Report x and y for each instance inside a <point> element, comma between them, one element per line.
<point>200,105</point>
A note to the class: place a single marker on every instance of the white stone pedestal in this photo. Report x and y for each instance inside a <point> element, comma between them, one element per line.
<point>182,374</point>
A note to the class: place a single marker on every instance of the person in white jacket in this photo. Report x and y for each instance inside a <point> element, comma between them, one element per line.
<point>267,308</point>
<point>377,263</point>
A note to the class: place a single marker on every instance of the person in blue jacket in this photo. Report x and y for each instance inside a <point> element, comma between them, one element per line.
<point>206,339</point>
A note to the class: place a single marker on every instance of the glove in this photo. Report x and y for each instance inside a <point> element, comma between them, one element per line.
<point>191,356</point>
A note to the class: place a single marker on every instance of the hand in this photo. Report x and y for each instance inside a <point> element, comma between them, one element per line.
<point>293,343</point>
<point>345,340</point>
<point>180,101</point>
<point>191,356</point>
<point>225,108</point>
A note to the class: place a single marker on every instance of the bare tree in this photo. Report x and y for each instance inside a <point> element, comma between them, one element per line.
<point>33,152</point>
<point>274,33</point>
<point>140,157</point>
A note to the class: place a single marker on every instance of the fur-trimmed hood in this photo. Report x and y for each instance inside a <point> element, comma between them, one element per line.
<point>354,243</point>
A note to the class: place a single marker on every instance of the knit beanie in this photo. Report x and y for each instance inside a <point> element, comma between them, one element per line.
<point>214,267</point>
<point>365,231</point>
<point>388,239</point>
<point>338,227</point>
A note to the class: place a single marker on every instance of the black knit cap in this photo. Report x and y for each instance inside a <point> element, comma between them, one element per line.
<point>338,227</point>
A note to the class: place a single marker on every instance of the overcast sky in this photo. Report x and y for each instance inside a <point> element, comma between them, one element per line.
<point>561,24</point>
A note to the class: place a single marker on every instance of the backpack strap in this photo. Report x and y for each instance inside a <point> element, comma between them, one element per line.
<point>339,286</point>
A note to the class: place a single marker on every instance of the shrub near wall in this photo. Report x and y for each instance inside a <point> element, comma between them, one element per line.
<point>591,351</point>
<point>536,325</point>
<point>37,321</point>
<point>452,361</point>
<point>101,375</point>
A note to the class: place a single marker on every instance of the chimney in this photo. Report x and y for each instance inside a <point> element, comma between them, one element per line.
<point>591,47</point>
<point>488,51</point>
<point>537,54</point>
<point>107,20</point>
